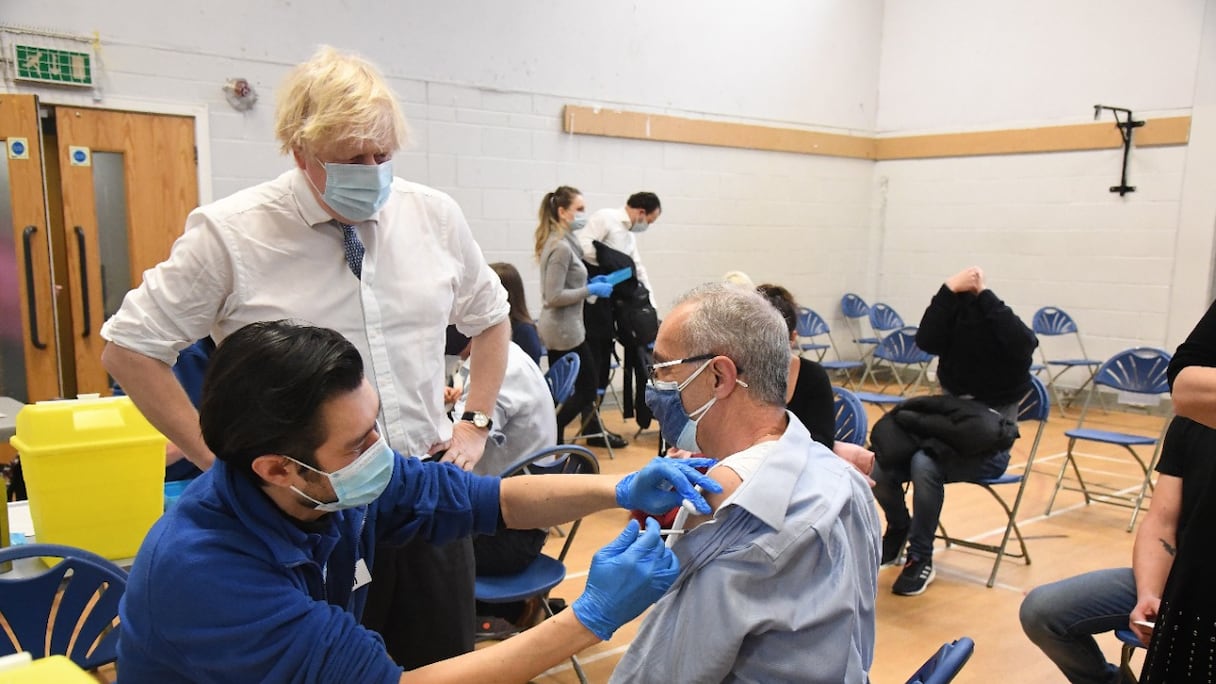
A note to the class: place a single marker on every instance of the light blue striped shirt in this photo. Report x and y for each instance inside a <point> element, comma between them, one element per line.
<point>778,587</point>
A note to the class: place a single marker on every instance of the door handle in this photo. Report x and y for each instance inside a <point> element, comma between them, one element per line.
<point>29,286</point>
<point>84,282</point>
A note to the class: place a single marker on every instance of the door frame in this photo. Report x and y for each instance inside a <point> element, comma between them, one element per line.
<point>199,112</point>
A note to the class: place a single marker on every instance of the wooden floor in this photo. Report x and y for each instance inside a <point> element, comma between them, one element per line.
<point>1076,538</point>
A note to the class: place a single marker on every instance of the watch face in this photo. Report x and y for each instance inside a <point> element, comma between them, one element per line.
<point>481,420</point>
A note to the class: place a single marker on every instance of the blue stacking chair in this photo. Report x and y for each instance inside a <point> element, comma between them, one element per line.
<point>856,311</point>
<point>1051,321</point>
<point>1141,371</point>
<point>1130,642</point>
<point>883,320</point>
<point>545,572</point>
<point>1035,406</point>
<point>942,667</point>
<point>812,325</point>
<point>74,602</point>
<point>899,349</point>
<point>852,424</point>
<point>560,377</point>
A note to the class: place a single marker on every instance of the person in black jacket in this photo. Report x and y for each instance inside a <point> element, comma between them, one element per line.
<point>984,353</point>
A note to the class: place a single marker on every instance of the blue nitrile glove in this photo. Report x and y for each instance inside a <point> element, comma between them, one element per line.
<point>626,576</point>
<point>599,279</point>
<point>599,289</point>
<point>664,483</point>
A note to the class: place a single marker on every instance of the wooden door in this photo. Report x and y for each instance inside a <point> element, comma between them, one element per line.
<point>128,181</point>
<point>29,369</point>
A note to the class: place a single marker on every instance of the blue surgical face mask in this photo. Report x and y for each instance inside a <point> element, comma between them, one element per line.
<point>579,222</point>
<point>357,191</point>
<point>679,427</point>
<point>358,483</point>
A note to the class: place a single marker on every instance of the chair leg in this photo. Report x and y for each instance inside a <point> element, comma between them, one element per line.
<point>1125,663</point>
<point>1060,478</point>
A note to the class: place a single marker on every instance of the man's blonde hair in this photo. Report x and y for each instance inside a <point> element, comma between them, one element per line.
<point>335,98</point>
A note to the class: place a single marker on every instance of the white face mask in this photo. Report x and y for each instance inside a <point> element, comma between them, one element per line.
<point>358,483</point>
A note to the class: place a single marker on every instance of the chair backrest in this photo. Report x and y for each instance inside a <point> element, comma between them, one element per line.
<point>563,459</point>
<point>1036,405</point>
<point>1051,320</point>
<point>884,318</point>
<point>1141,370</point>
<point>75,600</point>
<point>943,666</point>
<point>851,420</point>
<point>810,323</point>
<point>853,306</point>
<point>561,376</point>
<point>900,347</point>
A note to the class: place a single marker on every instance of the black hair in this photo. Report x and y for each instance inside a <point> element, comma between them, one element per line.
<point>265,387</point>
<point>783,301</point>
<point>646,201</point>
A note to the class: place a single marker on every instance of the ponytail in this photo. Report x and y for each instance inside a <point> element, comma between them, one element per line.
<point>550,223</point>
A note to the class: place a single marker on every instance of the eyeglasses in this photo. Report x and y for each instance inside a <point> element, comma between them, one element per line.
<point>691,359</point>
<point>668,364</point>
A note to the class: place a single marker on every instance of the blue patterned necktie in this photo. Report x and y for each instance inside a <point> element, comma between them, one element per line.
<point>353,247</point>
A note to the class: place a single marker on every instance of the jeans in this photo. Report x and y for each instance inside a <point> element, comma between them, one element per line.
<point>1060,618</point>
<point>929,477</point>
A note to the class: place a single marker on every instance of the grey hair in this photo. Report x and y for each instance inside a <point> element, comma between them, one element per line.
<point>740,323</point>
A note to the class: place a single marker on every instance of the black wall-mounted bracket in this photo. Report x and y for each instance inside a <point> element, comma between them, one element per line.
<point>1125,126</point>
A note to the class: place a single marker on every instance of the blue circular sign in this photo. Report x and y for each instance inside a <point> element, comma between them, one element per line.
<point>18,148</point>
<point>79,156</point>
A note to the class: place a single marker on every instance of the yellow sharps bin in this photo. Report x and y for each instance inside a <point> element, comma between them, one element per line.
<point>94,472</point>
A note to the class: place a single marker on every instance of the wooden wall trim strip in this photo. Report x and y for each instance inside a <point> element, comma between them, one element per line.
<point>665,128</point>
<point>1068,138</point>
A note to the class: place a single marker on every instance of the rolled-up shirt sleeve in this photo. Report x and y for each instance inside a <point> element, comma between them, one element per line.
<point>179,299</point>
<point>481,300</point>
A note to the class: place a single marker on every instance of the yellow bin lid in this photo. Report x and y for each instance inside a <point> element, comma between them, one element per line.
<point>53,670</point>
<point>89,421</point>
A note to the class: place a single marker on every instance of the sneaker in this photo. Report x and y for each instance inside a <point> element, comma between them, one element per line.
<point>615,440</point>
<point>494,628</point>
<point>893,541</point>
<point>915,578</point>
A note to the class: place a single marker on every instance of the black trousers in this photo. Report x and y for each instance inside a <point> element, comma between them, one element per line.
<point>421,601</point>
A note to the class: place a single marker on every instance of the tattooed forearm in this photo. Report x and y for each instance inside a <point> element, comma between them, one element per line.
<point>1169,548</point>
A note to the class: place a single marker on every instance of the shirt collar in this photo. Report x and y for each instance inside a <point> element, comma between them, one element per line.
<point>766,494</point>
<point>310,209</point>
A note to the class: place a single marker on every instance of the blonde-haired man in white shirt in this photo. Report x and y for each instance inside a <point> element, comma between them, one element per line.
<point>339,242</point>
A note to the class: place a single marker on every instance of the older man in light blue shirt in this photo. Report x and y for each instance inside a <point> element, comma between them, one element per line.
<point>779,584</point>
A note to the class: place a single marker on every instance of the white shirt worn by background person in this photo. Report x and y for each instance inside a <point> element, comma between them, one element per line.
<point>611,227</point>
<point>524,421</point>
<point>270,252</point>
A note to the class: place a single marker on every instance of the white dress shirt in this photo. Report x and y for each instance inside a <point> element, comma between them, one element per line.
<point>524,419</point>
<point>611,227</point>
<point>270,252</point>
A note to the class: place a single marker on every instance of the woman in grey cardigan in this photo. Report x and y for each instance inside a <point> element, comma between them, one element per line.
<point>564,286</point>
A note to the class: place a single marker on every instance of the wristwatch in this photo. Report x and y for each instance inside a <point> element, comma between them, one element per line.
<point>478,419</point>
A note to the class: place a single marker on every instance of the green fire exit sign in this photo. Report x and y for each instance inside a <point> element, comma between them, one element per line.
<point>49,65</point>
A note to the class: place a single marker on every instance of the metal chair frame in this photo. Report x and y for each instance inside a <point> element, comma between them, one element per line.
<point>1036,406</point>
<point>899,347</point>
<point>812,325</point>
<point>1141,370</point>
<point>545,572</point>
<point>1052,321</point>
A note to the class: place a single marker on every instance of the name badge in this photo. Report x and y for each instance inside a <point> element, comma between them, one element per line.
<point>362,575</point>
